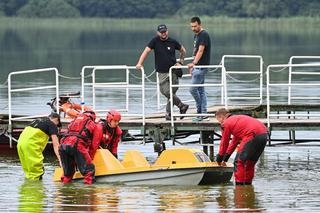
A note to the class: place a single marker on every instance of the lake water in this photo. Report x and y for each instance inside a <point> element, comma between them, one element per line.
<point>287,180</point>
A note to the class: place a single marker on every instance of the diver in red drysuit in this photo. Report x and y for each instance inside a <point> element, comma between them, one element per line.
<point>250,135</point>
<point>78,147</point>
<point>111,132</point>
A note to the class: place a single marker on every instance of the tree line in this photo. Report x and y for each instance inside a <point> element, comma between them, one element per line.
<point>159,9</point>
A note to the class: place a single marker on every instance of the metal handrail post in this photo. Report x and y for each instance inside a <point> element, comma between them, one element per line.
<point>57,90</point>
<point>261,79</point>
<point>158,92</point>
<point>143,97</point>
<point>268,97</point>
<point>171,100</point>
<point>82,87</point>
<point>10,111</point>
<point>224,86</point>
<point>93,89</point>
<point>127,89</point>
<point>289,80</point>
<point>84,68</point>
<point>223,80</point>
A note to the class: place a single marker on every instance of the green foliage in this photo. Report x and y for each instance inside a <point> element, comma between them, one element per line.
<point>159,9</point>
<point>47,9</point>
<point>9,7</point>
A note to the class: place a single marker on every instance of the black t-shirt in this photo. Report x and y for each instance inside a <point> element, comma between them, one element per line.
<point>164,53</point>
<point>45,125</point>
<point>202,38</point>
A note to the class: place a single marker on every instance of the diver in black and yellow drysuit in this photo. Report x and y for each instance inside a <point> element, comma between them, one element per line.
<point>33,141</point>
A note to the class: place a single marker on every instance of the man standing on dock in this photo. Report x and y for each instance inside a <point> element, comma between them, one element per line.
<point>164,52</point>
<point>250,134</point>
<point>201,53</point>
<point>33,141</point>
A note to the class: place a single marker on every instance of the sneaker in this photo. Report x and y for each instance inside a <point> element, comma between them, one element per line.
<point>183,110</point>
<point>197,119</point>
<point>200,118</point>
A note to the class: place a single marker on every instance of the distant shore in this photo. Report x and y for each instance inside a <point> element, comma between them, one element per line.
<point>141,24</point>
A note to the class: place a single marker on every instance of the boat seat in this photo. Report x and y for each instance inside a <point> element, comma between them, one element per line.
<point>134,158</point>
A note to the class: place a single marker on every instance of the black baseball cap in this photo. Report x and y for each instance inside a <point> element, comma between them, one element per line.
<point>56,115</point>
<point>162,28</point>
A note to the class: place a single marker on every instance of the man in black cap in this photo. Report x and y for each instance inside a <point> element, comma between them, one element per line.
<point>164,52</point>
<point>33,141</point>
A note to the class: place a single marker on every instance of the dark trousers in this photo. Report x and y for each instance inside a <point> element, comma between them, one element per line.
<point>247,158</point>
<point>165,89</point>
<point>72,156</point>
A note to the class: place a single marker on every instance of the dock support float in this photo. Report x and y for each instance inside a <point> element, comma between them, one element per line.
<point>207,141</point>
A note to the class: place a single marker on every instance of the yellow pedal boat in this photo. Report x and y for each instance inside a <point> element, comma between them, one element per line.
<point>182,166</point>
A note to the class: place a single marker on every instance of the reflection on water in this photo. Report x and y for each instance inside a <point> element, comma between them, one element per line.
<point>287,180</point>
<point>32,196</point>
<point>176,199</point>
<point>85,198</point>
<point>242,198</point>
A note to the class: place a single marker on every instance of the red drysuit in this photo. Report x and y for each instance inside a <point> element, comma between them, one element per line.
<point>78,147</point>
<point>111,138</point>
<point>251,136</point>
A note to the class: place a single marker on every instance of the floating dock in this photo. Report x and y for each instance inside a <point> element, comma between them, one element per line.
<point>156,129</point>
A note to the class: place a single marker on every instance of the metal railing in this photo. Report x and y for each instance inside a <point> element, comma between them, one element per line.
<point>159,104</point>
<point>221,85</point>
<point>292,58</point>
<point>290,85</point>
<point>91,68</point>
<point>125,84</point>
<point>243,72</point>
<point>84,84</point>
<point>11,90</point>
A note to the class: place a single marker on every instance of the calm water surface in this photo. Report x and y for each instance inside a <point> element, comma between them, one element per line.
<point>287,180</point>
<point>70,45</point>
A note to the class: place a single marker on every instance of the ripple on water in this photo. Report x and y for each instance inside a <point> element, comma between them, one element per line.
<point>284,182</point>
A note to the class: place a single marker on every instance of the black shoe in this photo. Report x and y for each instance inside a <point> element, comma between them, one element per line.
<point>205,118</point>
<point>168,117</point>
<point>183,110</point>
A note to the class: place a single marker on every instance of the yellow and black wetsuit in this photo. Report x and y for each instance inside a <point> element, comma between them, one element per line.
<point>31,144</point>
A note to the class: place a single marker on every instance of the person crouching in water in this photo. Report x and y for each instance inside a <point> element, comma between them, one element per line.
<point>250,134</point>
<point>33,140</point>
<point>78,147</point>
<point>111,132</point>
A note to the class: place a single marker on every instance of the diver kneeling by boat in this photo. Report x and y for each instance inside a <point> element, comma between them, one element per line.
<point>111,132</point>
<point>78,147</point>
